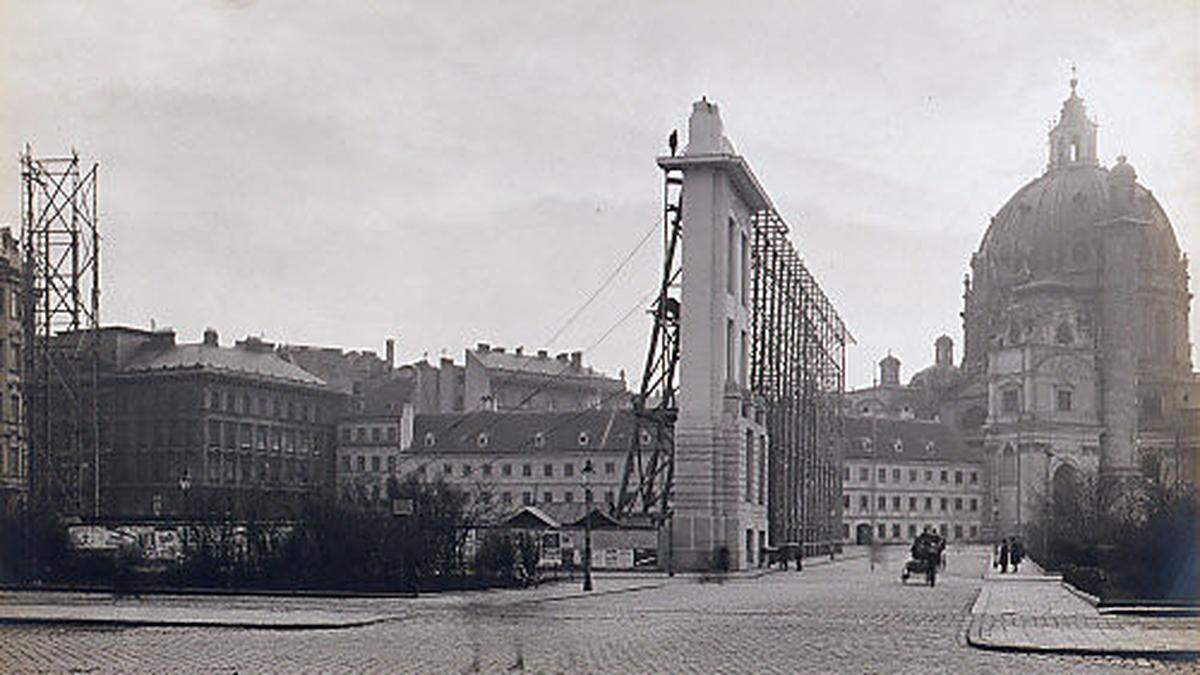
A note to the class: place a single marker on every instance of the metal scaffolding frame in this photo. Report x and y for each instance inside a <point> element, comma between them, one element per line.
<point>798,367</point>
<point>650,466</point>
<point>60,315</point>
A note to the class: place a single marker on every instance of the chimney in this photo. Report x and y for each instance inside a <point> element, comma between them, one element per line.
<point>520,350</point>
<point>391,353</point>
<point>498,350</point>
<point>577,360</point>
<point>542,353</point>
<point>483,347</point>
<point>211,337</point>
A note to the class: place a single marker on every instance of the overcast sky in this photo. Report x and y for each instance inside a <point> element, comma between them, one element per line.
<point>335,173</point>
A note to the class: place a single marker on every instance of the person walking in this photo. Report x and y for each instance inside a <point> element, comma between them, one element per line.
<point>1016,554</point>
<point>1004,556</point>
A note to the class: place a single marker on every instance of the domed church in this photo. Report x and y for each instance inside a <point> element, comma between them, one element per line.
<point>1076,360</point>
<point>1075,325</point>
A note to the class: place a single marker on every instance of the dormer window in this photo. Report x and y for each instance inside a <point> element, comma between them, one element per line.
<point>483,440</point>
<point>430,440</point>
<point>583,438</point>
<point>865,444</point>
<point>539,440</point>
<point>929,447</point>
<point>645,437</point>
<point>898,445</point>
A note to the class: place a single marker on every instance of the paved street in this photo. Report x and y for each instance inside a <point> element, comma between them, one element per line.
<point>831,618</point>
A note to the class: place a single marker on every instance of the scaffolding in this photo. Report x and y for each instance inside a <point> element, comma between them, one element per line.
<point>650,467</point>
<point>798,367</point>
<point>60,317</point>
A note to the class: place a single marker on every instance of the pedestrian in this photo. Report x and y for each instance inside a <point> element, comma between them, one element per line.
<point>1016,553</point>
<point>1004,556</point>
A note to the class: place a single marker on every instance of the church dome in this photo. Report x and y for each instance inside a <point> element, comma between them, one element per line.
<point>1046,228</point>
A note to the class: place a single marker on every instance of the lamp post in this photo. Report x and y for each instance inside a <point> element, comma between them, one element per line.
<point>586,473</point>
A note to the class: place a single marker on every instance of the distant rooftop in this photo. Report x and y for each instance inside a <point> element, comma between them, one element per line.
<point>251,356</point>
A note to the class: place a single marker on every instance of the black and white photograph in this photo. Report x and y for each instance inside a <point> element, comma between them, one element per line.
<point>599,337</point>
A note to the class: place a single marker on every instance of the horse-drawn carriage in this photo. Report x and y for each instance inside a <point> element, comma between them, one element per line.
<point>927,558</point>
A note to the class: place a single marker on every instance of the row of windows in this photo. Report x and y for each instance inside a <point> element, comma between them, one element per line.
<point>244,436</point>
<point>230,470</point>
<point>263,406</point>
<point>528,498</point>
<point>881,503</point>
<point>359,463</point>
<point>882,473</point>
<point>893,531</point>
<point>1010,401</point>
<point>538,440</point>
<point>377,434</point>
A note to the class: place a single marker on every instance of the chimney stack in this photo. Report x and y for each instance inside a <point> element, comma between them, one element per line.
<point>391,353</point>
<point>211,337</point>
<point>577,360</point>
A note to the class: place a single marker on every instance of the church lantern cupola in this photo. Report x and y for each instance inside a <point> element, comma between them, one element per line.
<point>1073,139</point>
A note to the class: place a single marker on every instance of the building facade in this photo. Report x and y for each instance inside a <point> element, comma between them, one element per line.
<point>903,476</point>
<point>14,459</point>
<point>206,431</point>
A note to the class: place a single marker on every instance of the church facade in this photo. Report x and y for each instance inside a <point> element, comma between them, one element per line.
<point>1077,362</point>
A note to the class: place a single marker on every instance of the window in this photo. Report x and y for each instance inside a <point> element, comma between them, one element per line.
<point>568,469</point>
<point>391,434</point>
<point>898,445</point>
<point>912,531</point>
<point>974,477</point>
<point>882,531</point>
<point>359,433</point>
<point>743,360</point>
<point>610,497</point>
<point>526,470</point>
<point>730,259</point>
<point>974,506</point>
<point>895,475</point>
<point>882,473</point>
<point>895,530</point>
<point>539,440</point>
<point>944,503</point>
<point>610,468</point>
<point>958,503</point>
<point>583,438</point>
<point>958,477</point>
<point>730,350</point>
<point>447,469</point>
<point>864,474</point>
<point>547,497</point>
<point>429,439</point>
<point>568,496</point>
<point>749,449</point>
<point>846,474</point>
<point>912,475</point>
<point>506,470</point>
<point>374,432</point>
<point>928,475</point>
<point>1010,402</point>
<point>375,463</point>
<point>527,498</point>
<point>362,463</point>
<point>486,469</point>
<point>863,503</point>
<point>506,498</point>
<point>912,503</point>
<point>974,531</point>
<point>945,476</point>
<point>928,503</point>
<point>391,464</point>
<point>548,470</point>
<point>466,469</point>
<point>958,531</point>
<point>845,502</point>
<point>895,503</point>
<point>745,271</point>
<point>483,440</point>
<point>346,463</point>
<point>1063,400</point>
<point>881,503</point>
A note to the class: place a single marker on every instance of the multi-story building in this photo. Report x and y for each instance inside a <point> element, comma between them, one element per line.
<point>201,430</point>
<point>493,378</point>
<point>14,479</point>
<point>901,476</point>
<point>503,460</point>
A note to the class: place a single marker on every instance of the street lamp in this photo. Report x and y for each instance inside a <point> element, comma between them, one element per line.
<point>586,474</point>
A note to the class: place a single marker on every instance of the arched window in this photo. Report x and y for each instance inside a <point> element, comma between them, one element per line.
<point>1008,466</point>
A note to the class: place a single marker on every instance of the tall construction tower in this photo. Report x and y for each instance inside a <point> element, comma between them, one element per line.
<point>61,315</point>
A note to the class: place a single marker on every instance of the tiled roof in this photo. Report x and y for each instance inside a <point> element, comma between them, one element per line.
<point>520,431</point>
<point>904,440</point>
<point>526,364</point>
<point>265,364</point>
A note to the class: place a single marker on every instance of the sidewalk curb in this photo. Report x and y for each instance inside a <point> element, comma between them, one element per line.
<point>1082,595</point>
<point>200,623</point>
<point>976,640</point>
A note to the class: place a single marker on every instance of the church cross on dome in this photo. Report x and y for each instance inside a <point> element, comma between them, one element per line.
<point>1073,138</point>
